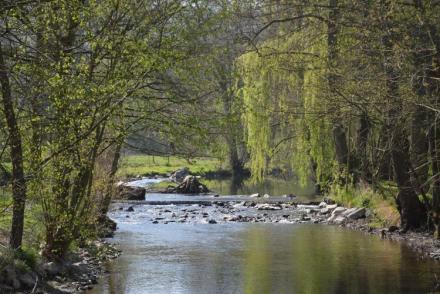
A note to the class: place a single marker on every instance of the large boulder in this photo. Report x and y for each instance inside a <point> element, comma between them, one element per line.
<point>356,213</point>
<point>179,175</point>
<point>190,185</point>
<point>131,193</point>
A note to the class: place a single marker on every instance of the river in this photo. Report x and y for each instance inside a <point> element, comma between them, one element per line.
<point>257,258</point>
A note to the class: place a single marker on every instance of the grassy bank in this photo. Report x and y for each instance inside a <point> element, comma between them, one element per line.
<point>145,165</point>
<point>380,201</point>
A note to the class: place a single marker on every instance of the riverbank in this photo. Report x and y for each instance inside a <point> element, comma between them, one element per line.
<point>383,219</point>
<point>77,272</point>
<point>422,242</point>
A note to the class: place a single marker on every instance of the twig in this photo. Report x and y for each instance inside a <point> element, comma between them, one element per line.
<point>35,285</point>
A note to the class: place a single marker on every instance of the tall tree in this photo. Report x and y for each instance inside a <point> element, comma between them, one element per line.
<point>18,179</point>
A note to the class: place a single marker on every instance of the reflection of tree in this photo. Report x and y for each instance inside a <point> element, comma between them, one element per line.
<point>236,184</point>
<point>262,258</point>
<point>328,261</point>
<point>257,263</point>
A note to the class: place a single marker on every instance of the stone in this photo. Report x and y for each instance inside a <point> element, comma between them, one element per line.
<point>331,207</point>
<point>266,196</point>
<point>312,210</point>
<point>179,175</point>
<point>306,218</point>
<point>338,210</point>
<point>331,218</point>
<point>322,205</point>
<point>212,221</point>
<point>255,195</point>
<point>348,211</point>
<point>311,207</point>
<point>284,221</point>
<point>239,205</point>
<point>357,213</point>
<point>130,209</point>
<point>329,201</point>
<point>232,218</point>
<point>324,210</point>
<point>28,280</point>
<point>52,268</point>
<point>131,193</point>
<point>339,220</point>
<point>265,206</point>
<point>393,229</point>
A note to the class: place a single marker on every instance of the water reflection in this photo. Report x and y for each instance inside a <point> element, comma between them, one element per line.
<point>271,186</point>
<point>261,258</point>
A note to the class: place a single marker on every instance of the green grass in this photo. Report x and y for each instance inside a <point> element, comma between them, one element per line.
<point>143,165</point>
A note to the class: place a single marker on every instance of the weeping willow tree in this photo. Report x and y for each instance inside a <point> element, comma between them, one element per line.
<point>283,89</point>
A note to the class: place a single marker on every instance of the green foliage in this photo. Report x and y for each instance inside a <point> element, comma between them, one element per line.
<point>29,256</point>
<point>25,259</point>
<point>287,91</point>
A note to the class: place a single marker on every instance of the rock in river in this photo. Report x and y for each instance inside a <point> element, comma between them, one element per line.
<point>131,193</point>
<point>190,185</point>
<point>265,206</point>
<point>179,175</point>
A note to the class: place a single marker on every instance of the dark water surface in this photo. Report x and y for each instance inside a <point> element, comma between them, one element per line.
<point>260,258</point>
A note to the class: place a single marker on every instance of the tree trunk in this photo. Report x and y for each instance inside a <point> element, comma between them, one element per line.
<point>231,135</point>
<point>419,149</point>
<point>412,212</point>
<point>362,143</point>
<point>434,145</point>
<point>339,136</point>
<point>18,180</point>
<point>234,160</point>
<point>341,148</point>
<point>111,179</point>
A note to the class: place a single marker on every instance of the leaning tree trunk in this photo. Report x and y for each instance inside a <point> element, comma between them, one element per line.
<point>18,180</point>
<point>111,179</point>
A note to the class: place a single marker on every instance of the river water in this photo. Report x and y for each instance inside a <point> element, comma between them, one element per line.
<point>258,258</point>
